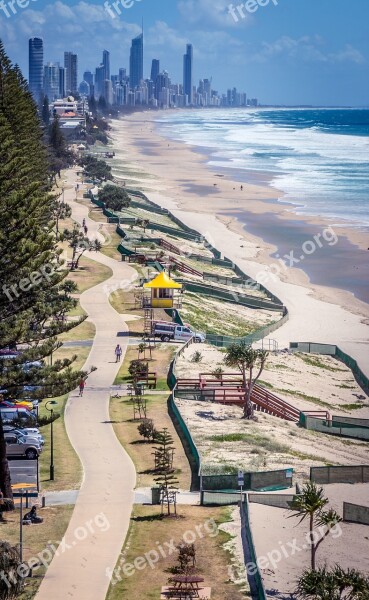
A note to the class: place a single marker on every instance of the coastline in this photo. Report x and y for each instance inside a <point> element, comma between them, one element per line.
<point>176,176</point>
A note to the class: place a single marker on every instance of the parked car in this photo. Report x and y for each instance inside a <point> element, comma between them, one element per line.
<point>179,333</point>
<point>17,404</point>
<point>20,447</point>
<point>9,415</point>
<point>27,432</point>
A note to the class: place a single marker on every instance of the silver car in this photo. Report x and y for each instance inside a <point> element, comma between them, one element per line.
<point>19,446</point>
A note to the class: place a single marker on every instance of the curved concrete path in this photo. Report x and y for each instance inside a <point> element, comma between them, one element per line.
<point>101,517</point>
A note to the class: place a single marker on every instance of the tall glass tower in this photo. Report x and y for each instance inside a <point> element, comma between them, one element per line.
<point>187,73</point>
<point>106,64</point>
<point>155,69</point>
<point>36,66</point>
<point>71,66</point>
<point>136,62</point>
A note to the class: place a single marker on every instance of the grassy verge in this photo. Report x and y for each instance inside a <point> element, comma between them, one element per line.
<point>162,356</point>
<point>68,471</point>
<point>89,274</point>
<point>149,531</point>
<point>36,538</point>
<point>125,427</point>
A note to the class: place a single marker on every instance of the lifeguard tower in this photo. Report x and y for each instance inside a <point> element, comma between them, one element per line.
<point>164,292</point>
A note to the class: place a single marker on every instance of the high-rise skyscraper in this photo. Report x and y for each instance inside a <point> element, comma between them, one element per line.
<point>187,73</point>
<point>71,66</point>
<point>122,74</point>
<point>62,80</point>
<point>99,81</point>
<point>136,62</point>
<point>51,81</point>
<point>106,64</point>
<point>155,70</point>
<point>36,65</point>
<point>88,77</point>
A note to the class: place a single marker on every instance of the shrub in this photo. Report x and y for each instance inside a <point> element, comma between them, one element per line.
<point>196,357</point>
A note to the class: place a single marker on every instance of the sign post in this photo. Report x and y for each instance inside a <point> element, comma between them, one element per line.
<point>241,482</point>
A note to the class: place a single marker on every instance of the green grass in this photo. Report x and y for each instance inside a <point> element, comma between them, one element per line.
<point>256,440</point>
<point>316,362</point>
<point>148,529</point>
<point>36,539</point>
<point>354,406</point>
<point>303,396</point>
<point>68,470</point>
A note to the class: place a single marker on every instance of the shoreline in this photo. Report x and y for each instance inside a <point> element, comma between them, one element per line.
<point>177,177</point>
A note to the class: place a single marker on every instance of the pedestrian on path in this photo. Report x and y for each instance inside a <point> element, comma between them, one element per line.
<point>82,384</point>
<point>118,353</point>
<point>85,229</point>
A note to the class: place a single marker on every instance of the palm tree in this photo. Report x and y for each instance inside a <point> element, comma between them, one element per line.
<point>243,356</point>
<point>11,583</point>
<point>322,584</point>
<point>310,505</point>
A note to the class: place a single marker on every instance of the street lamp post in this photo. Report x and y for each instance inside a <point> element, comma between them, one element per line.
<point>51,410</point>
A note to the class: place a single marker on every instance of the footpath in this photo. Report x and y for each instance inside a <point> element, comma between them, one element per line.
<point>101,517</point>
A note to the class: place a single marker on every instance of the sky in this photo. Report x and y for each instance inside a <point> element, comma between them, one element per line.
<point>290,52</point>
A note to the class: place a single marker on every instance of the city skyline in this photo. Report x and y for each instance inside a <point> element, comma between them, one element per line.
<point>126,88</point>
<point>285,52</point>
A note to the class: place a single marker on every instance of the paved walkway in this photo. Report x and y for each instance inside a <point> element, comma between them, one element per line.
<point>101,517</point>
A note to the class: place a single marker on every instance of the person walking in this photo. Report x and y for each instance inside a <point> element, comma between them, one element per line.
<point>82,384</point>
<point>118,353</point>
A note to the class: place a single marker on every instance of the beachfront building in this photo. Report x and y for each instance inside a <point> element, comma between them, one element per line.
<point>136,62</point>
<point>163,291</point>
<point>36,62</point>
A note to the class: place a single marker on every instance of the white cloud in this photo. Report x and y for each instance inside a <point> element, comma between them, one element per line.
<point>209,12</point>
<point>305,49</point>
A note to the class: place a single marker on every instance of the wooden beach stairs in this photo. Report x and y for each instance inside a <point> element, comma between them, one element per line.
<point>229,390</point>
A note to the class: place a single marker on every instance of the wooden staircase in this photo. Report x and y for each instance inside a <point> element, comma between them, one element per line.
<point>230,391</point>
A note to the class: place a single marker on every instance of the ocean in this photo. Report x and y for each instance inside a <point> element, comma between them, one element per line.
<point>318,158</point>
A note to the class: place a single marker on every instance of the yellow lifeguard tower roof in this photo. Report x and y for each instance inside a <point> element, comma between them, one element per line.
<point>163,282</point>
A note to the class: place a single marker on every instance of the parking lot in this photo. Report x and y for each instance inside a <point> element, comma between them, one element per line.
<point>23,471</point>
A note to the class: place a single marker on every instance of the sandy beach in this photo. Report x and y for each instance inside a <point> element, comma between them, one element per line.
<point>176,176</point>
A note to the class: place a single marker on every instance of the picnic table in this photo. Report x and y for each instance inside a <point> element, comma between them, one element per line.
<point>186,586</point>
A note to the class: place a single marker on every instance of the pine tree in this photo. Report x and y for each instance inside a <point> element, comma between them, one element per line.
<point>34,295</point>
<point>166,478</point>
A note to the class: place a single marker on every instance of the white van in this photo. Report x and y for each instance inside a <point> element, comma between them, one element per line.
<point>178,333</point>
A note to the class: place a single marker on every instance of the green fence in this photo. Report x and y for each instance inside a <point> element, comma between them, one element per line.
<point>340,474</point>
<point>189,446</point>
<point>253,571</point>
<point>253,481</point>
<point>335,426</point>
<point>332,350</point>
<point>231,296</point>
<point>223,341</point>
<point>354,513</point>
